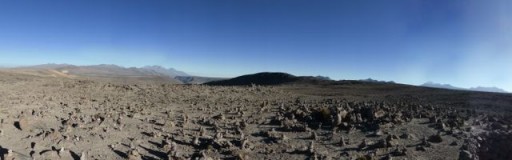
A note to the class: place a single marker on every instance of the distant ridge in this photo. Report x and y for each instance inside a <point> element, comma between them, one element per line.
<point>439,85</point>
<point>108,70</point>
<point>488,89</point>
<point>479,89</point>
<point>266,78</point>
<point>171,72</point>
<point>376,81</point>
<point>114,71</point>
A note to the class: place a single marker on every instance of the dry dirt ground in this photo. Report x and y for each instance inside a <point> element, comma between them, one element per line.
<point>73,118</point>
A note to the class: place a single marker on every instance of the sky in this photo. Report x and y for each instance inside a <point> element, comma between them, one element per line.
<point>465,43</point>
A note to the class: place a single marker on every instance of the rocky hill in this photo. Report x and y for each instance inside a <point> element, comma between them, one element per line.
<point>267,78</point>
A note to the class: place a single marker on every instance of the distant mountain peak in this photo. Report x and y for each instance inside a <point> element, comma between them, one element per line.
<point>104,66</point>
<point>376,81</point>
<point>323,77</point>
<point>154,67</point>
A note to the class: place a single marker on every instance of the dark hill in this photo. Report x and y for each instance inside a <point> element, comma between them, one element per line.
<point>264,78</point>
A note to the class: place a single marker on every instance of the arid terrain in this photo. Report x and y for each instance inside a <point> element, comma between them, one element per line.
<point>61,116</point>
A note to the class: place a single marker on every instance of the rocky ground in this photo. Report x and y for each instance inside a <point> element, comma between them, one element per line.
<point>72,118</point>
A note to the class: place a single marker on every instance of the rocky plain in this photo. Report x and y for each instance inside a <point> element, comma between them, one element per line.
<point>60,117</point>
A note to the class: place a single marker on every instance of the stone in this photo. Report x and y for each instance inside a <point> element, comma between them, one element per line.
<point>314,136</point>
<point>362,145</point>
<point>425,142</point>
<point>23,124</point>
<point>134,155</point>
<point>64,154</point>
<point>465,155</point>
<point>311,148</point>
<point>379,114</point>
<point>342,142</point>
<point>219,117</point>
<point>284,138</point>
<point>378,133</point>
<point>388,157</point>
<point>391,142</point>
<point>399,152</point>
<point>406,136</point>
<point>51,154</point>
<point>381,144</point>
<point>196,142</point>
<point>421,148</point>
<point>435,138</point>
<point>83,156</point>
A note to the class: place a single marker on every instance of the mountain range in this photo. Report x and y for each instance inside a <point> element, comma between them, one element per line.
<point>479,88</point>
<point>113,71</point>
<point>177,76</point>
<point>276,78</point>
<point>109,70</point>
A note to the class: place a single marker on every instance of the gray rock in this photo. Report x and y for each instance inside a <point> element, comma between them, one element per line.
<point>465,155</point>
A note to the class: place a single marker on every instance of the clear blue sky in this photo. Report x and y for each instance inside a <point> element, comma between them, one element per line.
<point>460,42</point>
